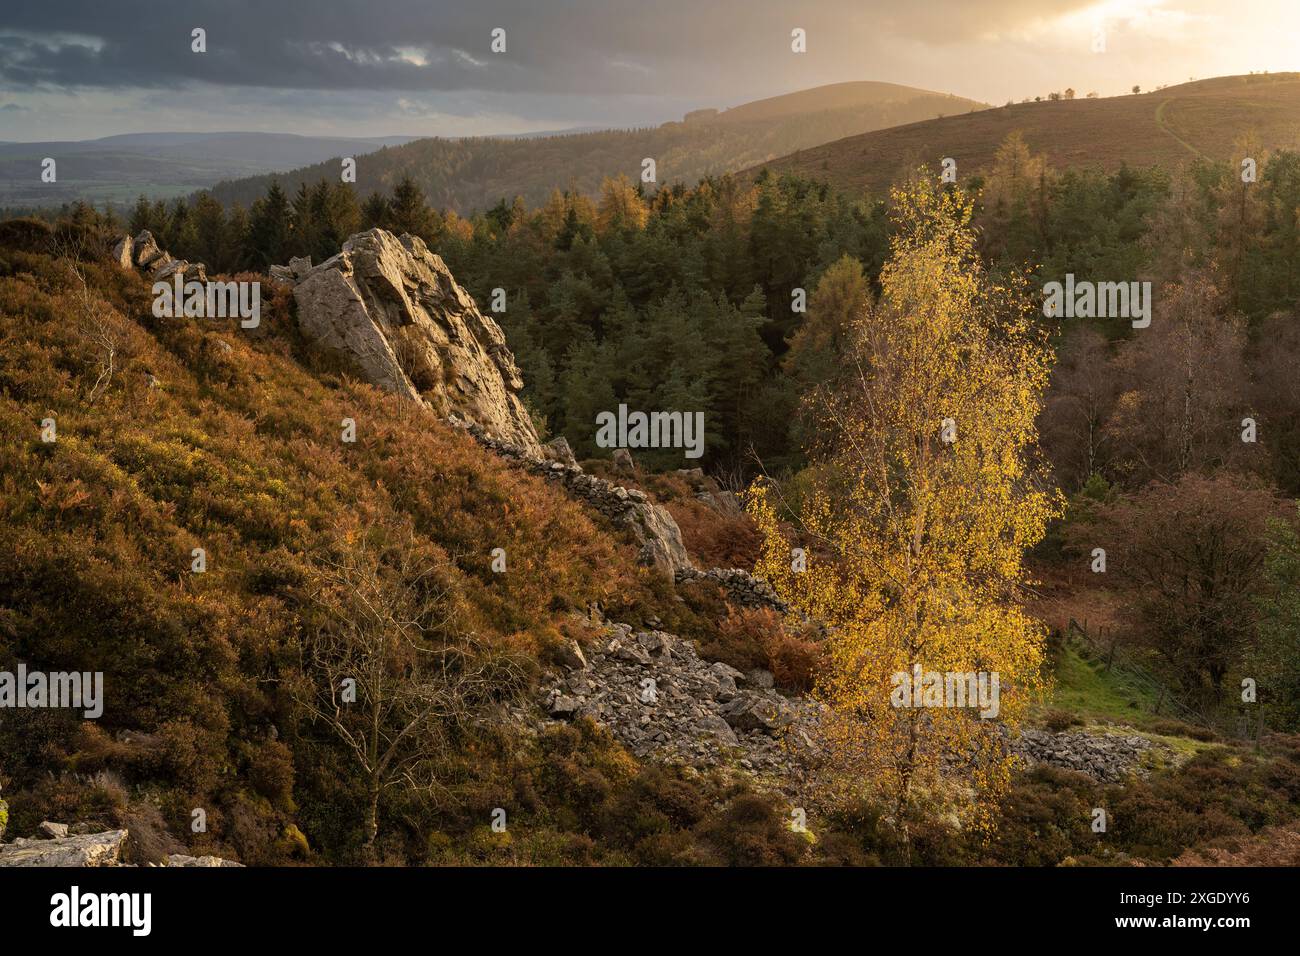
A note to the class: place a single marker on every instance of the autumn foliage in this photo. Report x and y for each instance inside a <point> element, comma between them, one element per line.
<point>926,497</point>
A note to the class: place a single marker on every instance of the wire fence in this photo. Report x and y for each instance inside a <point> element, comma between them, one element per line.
<point>1162,698</point>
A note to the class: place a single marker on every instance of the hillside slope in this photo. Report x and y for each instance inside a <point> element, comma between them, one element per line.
<point>472,174</point>
<point>1166,127</point>
<point>194,433</point>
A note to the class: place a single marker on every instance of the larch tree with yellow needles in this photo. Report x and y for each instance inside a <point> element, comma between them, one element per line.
<point>924,494</point>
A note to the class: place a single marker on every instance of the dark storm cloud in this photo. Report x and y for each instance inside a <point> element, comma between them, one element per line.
<point>560,46</point>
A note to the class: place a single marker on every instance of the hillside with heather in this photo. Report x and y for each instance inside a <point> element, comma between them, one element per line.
<point>1205,120</point>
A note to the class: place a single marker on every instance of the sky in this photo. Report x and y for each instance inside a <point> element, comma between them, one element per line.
<point>81,69</point>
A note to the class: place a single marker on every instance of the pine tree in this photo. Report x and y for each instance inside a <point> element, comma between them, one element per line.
<point>408,212</point>
<point>141,216</point>
<point>302,229</point>
<point>374,212</point>
<point>841,297</point>
<point>268,229</point>
<point>586,392</point>
<point>344,218</point>
<point>209,234</point>
<point>236,252</point>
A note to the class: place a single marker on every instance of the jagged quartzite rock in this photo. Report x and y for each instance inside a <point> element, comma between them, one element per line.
<point>143,253</point>
<point>393,308</point>
<point>165,267</point>
<point>124,253</point>
<point>623,461</point>
<point>85,849</point>
<point>571,656</point>
<point>146,250</point>
<point>660,538</point>
<point>89,849</point>
<point>756,713</point>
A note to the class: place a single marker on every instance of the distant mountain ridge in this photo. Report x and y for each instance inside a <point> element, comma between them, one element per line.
<point>164,164</point>
<point>475,173</point>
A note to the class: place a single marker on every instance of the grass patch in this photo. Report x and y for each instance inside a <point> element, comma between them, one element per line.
<point>1086,688</point>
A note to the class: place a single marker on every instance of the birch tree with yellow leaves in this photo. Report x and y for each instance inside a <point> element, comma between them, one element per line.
<point>924,493</point>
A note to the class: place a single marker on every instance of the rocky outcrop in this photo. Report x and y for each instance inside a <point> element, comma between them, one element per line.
<point>393,310</point>
<point>85,849</point>
<point>1108,757</point>
<point>663,701</point>
<point>143,253</point>
<point>651,526</point>
<point>708,491</point>
<point>558,449</point>
<point>623,463</point>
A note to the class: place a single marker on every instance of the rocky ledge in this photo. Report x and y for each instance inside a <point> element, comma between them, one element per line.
<point>651,525</point>
<point>63,848</point>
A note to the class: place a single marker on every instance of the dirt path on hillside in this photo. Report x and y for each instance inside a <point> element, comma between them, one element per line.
<point>1160,122</point>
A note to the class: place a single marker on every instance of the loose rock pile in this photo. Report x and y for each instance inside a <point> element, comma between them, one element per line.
<point>1109,758</point>
<point>651,525</point>
<point>662,701</point>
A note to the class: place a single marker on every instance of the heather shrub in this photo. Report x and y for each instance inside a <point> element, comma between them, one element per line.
<point>749,638</point>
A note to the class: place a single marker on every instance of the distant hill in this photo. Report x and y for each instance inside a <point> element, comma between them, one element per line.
<point>1163,127</point>
<point>118,168</point>
<point>470,174</point>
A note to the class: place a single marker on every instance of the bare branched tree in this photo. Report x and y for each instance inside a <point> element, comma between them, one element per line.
<point>92,318</point>
<point>389,674</point>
